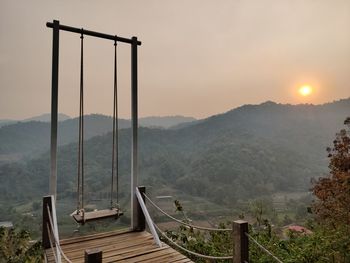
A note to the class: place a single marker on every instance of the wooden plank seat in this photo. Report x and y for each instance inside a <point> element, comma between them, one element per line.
<point>97,215</point>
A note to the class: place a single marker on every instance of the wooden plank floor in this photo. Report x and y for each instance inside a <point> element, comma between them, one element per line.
<point>119,246</point>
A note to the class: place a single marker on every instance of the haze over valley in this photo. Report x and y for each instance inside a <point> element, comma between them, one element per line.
<point>248,152</point>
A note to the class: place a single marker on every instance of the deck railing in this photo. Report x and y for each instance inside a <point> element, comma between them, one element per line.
<point>50,236</point>
<point>239,231</point>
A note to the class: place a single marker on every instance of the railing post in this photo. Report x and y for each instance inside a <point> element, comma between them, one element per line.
<point>240,240</point>
<point>147,217</point>
<point>45,234</point>
<point>93,256</point>
<point>49,208</point>
<point>141,222</point>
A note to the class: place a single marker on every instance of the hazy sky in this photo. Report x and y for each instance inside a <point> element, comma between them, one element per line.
<point>198,57</point>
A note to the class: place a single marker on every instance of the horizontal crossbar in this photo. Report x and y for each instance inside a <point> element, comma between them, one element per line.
<point>95,34</point>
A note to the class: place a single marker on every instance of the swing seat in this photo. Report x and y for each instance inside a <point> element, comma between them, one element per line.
<point>97,215</point>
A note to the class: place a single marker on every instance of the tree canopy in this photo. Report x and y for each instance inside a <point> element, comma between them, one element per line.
<point>332,206</point>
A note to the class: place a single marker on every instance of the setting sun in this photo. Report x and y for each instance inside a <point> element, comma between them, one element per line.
<point>305,90</point>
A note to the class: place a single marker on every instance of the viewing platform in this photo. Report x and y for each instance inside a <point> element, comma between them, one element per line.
<point>118,246</point>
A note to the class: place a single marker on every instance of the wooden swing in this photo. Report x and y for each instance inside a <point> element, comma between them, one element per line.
<point>81,216</point>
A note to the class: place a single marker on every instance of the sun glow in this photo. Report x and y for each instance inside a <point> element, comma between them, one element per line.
<point>305,90</point>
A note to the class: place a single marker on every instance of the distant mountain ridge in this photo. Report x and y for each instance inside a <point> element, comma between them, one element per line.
<point>243,153</point>
<point>32,135</point>
<point>46,117</point>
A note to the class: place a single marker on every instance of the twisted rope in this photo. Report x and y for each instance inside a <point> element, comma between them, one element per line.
<point>263,248</point>
<point>51,244</point>
<point>55,239</point>
<point>186,250</point>
<point>115,133</point>
<point>183,223</point>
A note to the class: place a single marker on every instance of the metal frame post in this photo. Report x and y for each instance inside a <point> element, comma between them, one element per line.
<point>54,108</point>
<point>134,142</point>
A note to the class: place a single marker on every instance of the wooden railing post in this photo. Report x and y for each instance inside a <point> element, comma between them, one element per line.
<point>141,222</point>
<point>93,256</point>
<point>241,245</point>
<point>47,202</point>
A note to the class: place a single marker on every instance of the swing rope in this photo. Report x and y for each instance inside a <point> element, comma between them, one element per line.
<point>81,130</point>
<point>81,216</point>
<point>115,163</point>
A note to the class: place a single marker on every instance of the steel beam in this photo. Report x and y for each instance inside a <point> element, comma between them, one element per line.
<point>92,33</point>
<point>134,141</point>
<point>54,108</point>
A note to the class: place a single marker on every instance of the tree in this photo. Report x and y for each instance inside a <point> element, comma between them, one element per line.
<point>332,206</point>
<point>16,248</point>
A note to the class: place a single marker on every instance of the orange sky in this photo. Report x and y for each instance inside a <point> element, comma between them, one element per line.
<point>198,57</point>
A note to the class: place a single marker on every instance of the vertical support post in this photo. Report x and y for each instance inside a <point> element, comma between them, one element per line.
<point>134,143</point>
<point>141,222</point>
<point>54,108</point>
<point>240,240</point>
<point>93,256</point>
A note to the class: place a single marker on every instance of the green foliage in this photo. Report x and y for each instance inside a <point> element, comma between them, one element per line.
<point>333,192</point>
<point>16,248</point>
<point>320,246</point>
<point>331,207</point>
<point>210,243</point>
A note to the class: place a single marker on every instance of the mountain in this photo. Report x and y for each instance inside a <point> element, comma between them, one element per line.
<point>31,136</point>
<point>46,117</point>
<point>164,122</point>
<point>247,152</point>
<point>4,122</point>
<point>43,118</point>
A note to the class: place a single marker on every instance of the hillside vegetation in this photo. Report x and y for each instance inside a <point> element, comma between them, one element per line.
<point>32,136</point>
<point>250,151</point>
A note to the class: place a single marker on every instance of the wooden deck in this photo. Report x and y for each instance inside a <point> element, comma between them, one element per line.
<point>119,246</point>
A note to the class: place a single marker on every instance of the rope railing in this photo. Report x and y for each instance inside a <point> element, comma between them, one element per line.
<point>184,223</point>
<point>51,243</point>
<point>189,251</point>
<point>263,248</point>
<point>51,232</point>
<point>147,217</point>
<point>244,233</point>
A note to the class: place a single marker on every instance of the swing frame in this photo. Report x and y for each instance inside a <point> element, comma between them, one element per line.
<point>56,27</point>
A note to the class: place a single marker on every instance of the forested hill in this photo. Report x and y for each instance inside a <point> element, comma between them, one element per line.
<point>32,136</point>
<point>302,128</point>
<point>165,122</point>
<point>249,151</point>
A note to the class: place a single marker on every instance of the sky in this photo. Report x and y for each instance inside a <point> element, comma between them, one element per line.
<point>198,57</point>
